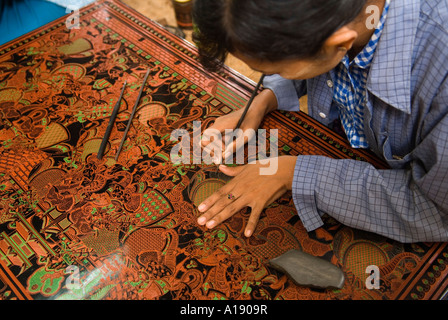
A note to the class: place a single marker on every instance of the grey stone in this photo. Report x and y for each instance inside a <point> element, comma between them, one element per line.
<point>307,270</point>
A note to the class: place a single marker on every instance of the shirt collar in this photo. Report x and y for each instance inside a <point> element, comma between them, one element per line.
<point>390,73</point>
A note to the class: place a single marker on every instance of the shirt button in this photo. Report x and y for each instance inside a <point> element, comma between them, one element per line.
<point>322,115</point>
<point>330,83</point>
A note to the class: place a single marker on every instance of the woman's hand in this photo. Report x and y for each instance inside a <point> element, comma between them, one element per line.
<point>247,189</point>
<point>263,103</point>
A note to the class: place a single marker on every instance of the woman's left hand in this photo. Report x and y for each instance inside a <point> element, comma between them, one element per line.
<point>248,188</point>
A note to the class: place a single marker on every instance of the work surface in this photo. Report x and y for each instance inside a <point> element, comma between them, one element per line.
<point>75,227</point>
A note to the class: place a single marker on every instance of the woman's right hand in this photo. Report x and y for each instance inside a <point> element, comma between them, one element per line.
<point>263,103</point>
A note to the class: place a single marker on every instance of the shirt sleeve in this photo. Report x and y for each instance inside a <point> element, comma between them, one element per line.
<point>408,205</point>
<point>286,91</point>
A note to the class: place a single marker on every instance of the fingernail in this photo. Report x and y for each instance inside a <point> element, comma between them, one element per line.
<point>201,220</point>
<point>248,233</point>
<point>201,207</point>
<point>211,224</point>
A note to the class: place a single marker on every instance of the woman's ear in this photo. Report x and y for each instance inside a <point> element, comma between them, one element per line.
<point>341,41</point>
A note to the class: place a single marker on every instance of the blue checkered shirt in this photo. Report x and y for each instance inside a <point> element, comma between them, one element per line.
<point>405,122</point>
<point>350,87</point>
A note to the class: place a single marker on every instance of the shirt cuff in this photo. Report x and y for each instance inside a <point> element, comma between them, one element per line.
<point>303,186</point>
<point>285,92</point>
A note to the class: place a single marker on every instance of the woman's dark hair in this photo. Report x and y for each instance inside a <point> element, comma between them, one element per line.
<point>270,30</point>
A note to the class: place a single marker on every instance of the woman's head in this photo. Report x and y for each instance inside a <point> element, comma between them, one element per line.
<point>268,30</point>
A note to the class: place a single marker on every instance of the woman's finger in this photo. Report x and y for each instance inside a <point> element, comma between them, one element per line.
<point>253,219</point>
<point>213,204</point>
<point>235,141</point>
<point>229,210</point>
<point>212,153</point>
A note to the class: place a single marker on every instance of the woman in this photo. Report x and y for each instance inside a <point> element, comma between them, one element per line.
<point>377,67</point>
